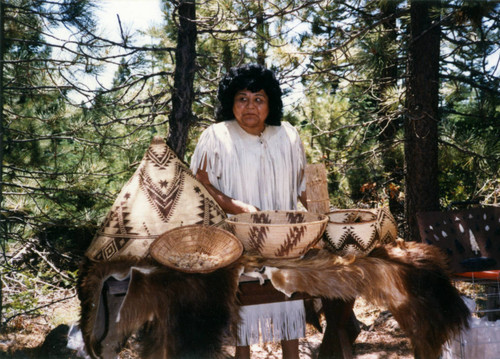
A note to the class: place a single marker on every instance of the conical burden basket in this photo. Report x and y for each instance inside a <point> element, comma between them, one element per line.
<point>161,195</point>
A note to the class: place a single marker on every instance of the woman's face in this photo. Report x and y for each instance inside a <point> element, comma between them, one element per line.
<point>250,110</point>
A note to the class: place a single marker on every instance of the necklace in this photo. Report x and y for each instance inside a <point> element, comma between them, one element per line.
<point>261,140</point>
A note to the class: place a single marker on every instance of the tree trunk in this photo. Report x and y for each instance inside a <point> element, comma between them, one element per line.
<point>389,125</point>
<point>261,36</point>
<point>181,117</point>
<point>2,222</point>
<point>421,122</point>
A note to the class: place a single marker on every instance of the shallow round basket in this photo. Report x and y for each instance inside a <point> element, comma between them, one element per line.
<point>278,234</point>
<point>196,248</point>
<point>352,231</point>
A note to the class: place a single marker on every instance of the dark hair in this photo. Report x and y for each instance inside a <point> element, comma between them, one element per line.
<point>253,78</point>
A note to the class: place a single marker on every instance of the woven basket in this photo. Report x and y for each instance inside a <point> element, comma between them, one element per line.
<point>162,194</point>
<point>278,234</point>
<point>196,248</point>
<point>352,231</point>
<point>387,224</point>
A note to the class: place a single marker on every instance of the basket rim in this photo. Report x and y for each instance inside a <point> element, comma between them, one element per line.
<point>324,219</point>
<point>194,226</point>
<point>189,228</point>
<point>375,219</point>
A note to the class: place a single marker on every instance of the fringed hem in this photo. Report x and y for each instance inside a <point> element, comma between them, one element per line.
<point>271,322</point>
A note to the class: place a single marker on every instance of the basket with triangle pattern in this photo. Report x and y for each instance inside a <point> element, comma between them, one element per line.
<point>161,195</point>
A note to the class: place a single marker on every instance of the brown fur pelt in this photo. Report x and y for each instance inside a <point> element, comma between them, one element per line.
<point>176,315</point>
<point>410,279</point>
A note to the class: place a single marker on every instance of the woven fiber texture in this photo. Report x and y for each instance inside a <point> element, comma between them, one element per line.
<point>161,195</point>
<point>358,231</point>
<point>278,234</point>
<point>387,225</point>
<point>196,248</point>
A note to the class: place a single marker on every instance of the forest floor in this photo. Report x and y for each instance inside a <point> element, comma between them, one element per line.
<point>380,338</point>
<point>44,336</point>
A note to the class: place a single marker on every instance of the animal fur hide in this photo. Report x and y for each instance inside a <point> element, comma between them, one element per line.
<point>176,315</point>
<point>185,315</point>
<point>410,279</point>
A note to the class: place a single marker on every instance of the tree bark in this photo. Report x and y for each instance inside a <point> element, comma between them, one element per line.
<point>2,222</point>
<point>181,117</point>
<point>261,35</point>
<point>389,126</point>
<point>421,122</point>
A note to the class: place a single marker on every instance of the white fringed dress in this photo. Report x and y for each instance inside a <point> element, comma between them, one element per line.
<point>266,171</point>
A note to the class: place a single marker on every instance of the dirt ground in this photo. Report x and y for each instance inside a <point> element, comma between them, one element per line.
<point>43,337</point>
<point>380,338</point>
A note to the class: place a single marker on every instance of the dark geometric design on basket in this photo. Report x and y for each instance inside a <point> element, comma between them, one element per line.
<point>386,238</point>
<point>164,197</point>
<point>207,207</point>
<point>295,217</point>
<point>146,230</point>
<point>113,247</point>
<point>160,156</point>
<point>116,221</point>
<point>384,216</point>
<point>260,218</point>
<point>352,240</point>
<point>230,227</point>
<point>293,238</point>
<point>257,237</point>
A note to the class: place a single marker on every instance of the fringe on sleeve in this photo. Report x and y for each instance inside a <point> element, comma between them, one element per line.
<point>207,149</point>
<point>301,173</point>
<point>299,157</point>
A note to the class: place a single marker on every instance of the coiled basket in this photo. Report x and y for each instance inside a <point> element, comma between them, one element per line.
<point>278,234</point>
<point>196,248</point>
<point>358,231</point>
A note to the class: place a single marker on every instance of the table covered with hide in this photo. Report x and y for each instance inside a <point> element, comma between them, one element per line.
<point>185,315</point>
<point>124,291</point>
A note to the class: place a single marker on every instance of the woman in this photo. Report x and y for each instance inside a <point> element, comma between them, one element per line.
<point>252,161</point>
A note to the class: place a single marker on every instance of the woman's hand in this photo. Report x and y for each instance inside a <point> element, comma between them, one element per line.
<point>244,207</point>
<point>228,204</point>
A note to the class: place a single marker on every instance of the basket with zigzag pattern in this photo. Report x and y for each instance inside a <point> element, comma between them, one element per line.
<point>278,234</point>
<point>162,194</point>
<point>352,231</point>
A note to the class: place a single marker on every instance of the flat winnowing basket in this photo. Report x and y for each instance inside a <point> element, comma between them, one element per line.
<point>278,234</point>
<point>196,248</point>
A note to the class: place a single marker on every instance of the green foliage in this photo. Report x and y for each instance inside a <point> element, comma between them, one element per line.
<point>63,163</point>
<point>21,302</point>
<point>469,154</point>
<point>69,149</point>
